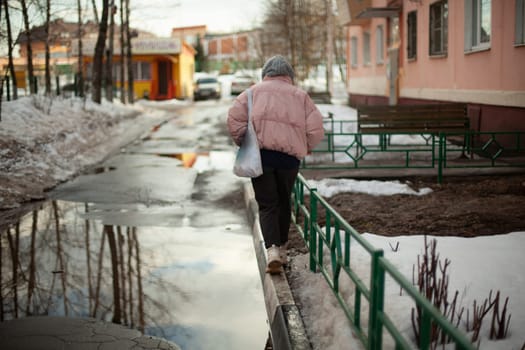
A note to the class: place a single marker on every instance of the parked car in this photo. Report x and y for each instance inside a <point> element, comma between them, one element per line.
<point>205,88</point>
<point>241,83</point>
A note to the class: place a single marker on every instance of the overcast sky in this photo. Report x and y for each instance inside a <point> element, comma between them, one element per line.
<point>160,16</point>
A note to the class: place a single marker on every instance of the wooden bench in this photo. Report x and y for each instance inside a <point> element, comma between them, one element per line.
<point>427,119</point>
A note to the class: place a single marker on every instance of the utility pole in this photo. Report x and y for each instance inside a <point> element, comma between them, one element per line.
<point>329,47</point>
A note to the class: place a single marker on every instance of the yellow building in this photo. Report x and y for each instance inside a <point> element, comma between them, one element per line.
<point>162,67</point>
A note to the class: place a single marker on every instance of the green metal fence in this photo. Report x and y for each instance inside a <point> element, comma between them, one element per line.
<point>345,148</point>
<point>337,237</point>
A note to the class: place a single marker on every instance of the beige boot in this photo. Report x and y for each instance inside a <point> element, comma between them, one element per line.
<point>283,254</point>
<point>274,260</point>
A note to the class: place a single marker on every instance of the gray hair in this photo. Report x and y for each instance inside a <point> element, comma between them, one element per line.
<point>277,65</point>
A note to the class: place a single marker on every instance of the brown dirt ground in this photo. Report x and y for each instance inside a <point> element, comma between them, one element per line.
<point>461,206</point>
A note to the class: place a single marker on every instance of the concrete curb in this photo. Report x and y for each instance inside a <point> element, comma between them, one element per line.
<point>286,325</point>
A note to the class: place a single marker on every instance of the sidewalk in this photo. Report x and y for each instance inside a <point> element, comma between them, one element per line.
<point>52,333</point>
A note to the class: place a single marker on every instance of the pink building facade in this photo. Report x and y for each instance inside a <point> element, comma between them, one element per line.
<point>421,51</point>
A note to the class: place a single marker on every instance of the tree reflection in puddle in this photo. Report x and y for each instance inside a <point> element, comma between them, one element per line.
<point>52,263</point>
<point>195,284</point>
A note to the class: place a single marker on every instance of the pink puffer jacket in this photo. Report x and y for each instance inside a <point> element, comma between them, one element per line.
<point>284,117</point>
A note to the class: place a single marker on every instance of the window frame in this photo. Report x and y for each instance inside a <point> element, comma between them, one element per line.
<point>519,35</point>
<point>440,28</point>
<point>354,51</point>
<point>412,35</point>
<point>142,70</point>
<point>473,26</point>
<point>380,51</point>
<point>367,57</point>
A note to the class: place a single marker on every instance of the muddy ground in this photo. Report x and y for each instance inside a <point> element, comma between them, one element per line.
<point>461,206</point>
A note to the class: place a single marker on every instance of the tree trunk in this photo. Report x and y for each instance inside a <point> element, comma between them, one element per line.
<point>109,59</point>
<point>80,68</point>
<point>114,265</point>
<point>31,283</point>
<point>95,11</point>
<point>122,53</point>
<point>30,69</point>
<point>129,61</point>
<point>130,275</point>
<point>99,274</point>
<point>10,51</point>
<point>60,256</point>
<point>98,68</point>
<point>88,259</point>
<point>47,54</point>
<point>13,248</point>
<point>122,268</point>
<point>140,296</point>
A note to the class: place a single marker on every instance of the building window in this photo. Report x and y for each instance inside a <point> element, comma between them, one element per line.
<point>379,45</point>
<point>477,24</point>
<point>438,31</point>
<point>142,70</point>
<point>353,51</point>
<point>366,48</point>
<point>412,35</point>
<point>520,22</point>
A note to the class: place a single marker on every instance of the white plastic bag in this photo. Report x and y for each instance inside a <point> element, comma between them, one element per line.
<point>248,160</point>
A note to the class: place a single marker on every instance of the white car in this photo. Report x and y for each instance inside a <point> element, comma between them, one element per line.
<point>205,88</point>
<point>241,83</point>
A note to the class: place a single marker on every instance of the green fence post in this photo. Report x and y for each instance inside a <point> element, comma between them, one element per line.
<point>313,232</point>
<point>441,145</point>
<point>425,330</point>
<point>377,292</point>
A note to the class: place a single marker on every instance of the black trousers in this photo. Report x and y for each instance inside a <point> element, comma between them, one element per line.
<point>272,193</point>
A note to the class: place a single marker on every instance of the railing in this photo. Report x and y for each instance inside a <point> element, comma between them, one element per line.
<point>337,237</point>
<point>344,148</point>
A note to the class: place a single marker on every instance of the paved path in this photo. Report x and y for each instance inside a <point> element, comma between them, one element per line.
<point>63,333</point>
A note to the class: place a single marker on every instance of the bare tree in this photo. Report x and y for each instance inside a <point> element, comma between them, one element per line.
<point>129,61</point>
<point>46,43</point>
<point>122,53</point>
<point>13,248</point>
<point>60,256</point>
<point>99,274</point>
<point>294,28</point>
<point>88,259</point>
<point>95,11</point>
<point>80,73</point>
<point>30,69</point>
<point>122,269</point>
<point>32,267</point>
<point>10,51</point>
<point>140,296</point>
<point>98,68</point>
<point>109,56</point>
<point>108,229</point>
<point>130,274</point>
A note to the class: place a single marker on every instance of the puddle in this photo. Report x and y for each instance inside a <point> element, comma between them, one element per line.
<point>196,286</point>
<point>142,240</point>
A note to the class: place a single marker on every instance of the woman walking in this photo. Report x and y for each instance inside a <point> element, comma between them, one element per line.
<point>288,126</point>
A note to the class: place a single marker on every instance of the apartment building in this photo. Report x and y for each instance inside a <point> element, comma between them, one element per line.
<point>421,51</point>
